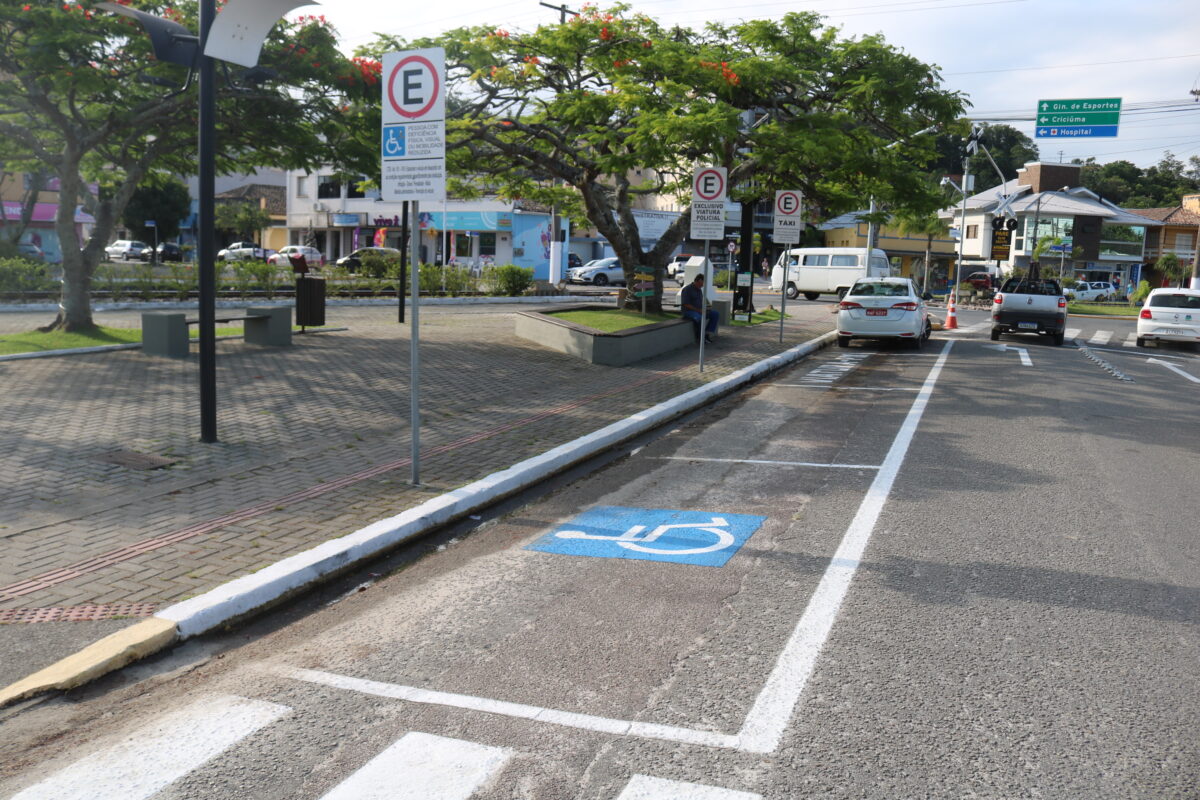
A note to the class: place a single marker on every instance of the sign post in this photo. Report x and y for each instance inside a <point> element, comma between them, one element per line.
<point>1088,118</point>
<point>413,155</point>
<point>789,206</point>
<point>708,223</point>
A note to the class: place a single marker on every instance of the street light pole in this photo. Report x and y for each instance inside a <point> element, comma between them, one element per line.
<point>205,245</point>
<point>962,230</point>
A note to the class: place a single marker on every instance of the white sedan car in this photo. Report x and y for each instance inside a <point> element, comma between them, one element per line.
<point>883,308</point>
<point>1170,315</point>
<point>312,256</point>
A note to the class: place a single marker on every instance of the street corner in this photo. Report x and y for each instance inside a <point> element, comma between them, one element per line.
<point>699,538</point>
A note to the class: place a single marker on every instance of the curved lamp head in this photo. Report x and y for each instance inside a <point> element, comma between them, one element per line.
<point>170,41</point>
<point>238,32</point>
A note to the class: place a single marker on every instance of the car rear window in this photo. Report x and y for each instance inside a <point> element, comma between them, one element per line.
<point>1023,286</point>
<point>865,289</point>
<point>1188,301</point>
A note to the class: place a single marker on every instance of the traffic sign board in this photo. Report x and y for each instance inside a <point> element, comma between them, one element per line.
<point>413,142</point>
<point>1087,117</point>
<point>708,203</point>
<point>789,206</point>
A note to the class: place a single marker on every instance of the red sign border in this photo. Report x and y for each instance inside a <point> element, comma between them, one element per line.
<point>696,185</point>
<point>786,193</point>
<point>437,87</point>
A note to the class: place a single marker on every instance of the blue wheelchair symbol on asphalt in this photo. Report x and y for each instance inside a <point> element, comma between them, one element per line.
<point>393,141</point>
<point>702,538</point>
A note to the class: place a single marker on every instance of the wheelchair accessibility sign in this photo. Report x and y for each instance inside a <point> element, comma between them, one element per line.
<point>394,142</point>
<point>703,538</point>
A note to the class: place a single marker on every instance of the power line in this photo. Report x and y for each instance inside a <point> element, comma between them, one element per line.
<point>1073,66</point>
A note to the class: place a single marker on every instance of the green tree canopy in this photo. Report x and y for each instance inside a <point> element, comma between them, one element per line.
<point>161,198</point>
<point>243,220</point>
<point>84,99</point>
<point>595,113</point>
<point>1159,186</point>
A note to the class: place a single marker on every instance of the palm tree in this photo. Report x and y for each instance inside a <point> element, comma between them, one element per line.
<point>928,225</point>
<point>1171,267</point>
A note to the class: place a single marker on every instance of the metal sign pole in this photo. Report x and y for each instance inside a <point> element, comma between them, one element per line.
<point>783,296</point>
<point>414,347</point>
<point>704,305</point>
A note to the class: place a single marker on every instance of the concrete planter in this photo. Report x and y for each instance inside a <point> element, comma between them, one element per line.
<point>609,349</point>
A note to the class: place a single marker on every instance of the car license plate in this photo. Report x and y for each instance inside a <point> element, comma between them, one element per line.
<point>1174,332</point>
<point>1027,326</point>
<point>876,312</point>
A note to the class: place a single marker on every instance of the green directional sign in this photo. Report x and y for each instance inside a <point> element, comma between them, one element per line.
<point>1087,117</point>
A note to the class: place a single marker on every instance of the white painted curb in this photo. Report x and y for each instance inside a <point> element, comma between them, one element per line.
<point>244,595</point>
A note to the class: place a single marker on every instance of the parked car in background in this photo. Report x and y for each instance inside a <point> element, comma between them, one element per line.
<point>813,271</point>
<point>126,249</point>
<point>573,261</point>
<point>676,264</point>
<point>312,256</point>
<point>354,260</point>
<point>598,272</point>
<point>167,251</point>
<point>1094,292</point>
<point>983,280</point>
<point>883,308</point>
<point>31,251</point>
<point>239,251</point>
<point>1170,315</point>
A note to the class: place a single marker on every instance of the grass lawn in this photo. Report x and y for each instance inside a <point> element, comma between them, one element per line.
<point>1117,310</point>
<point>611,320</point>
<point>757,318</point>
<point>37,342</point>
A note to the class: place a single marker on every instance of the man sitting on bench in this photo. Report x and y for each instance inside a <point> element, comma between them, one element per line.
<point>691,302</point>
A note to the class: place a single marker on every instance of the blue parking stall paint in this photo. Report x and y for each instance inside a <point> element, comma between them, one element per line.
<point>701,538</point>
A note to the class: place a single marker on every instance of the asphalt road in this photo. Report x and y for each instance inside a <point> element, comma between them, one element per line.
<point>964,572</point>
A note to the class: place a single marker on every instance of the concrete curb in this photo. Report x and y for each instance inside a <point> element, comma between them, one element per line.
<point>254,593</point>
<point>366,301</point>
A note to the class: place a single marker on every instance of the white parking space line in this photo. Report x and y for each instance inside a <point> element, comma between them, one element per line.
<point>157,754</point>
<point>1174,369</point>
<point>1071,333</point>
<point>570,719</point>
<point>848,388</point>
<point>421,766</point>
<point>1100,338</point>
<point>764,461</point>
<point>775,704</point>
<point>643,787</point>
<point>1130,340</point>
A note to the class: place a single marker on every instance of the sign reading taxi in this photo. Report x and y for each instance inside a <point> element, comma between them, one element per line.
<point>789,205</point>
<point>413,142</point>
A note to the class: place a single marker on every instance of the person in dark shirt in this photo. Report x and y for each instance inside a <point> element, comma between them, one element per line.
<point>691,301</point>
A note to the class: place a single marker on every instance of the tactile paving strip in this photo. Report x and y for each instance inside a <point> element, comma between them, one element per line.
<point>85,613</point>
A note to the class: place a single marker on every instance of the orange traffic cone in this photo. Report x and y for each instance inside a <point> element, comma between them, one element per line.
<point>951,319</point>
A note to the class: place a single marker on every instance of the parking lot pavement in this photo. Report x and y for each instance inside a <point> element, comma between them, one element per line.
<point>314,444</point>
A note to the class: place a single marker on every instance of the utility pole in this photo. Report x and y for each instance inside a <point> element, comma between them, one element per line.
<point>562,11</point>
<point>556,236</point>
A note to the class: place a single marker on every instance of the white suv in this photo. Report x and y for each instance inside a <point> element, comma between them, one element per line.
<point>1170,315</point>
<point>126,249</point>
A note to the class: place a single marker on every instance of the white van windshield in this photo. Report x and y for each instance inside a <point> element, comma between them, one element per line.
<point>844,261</point>
<point>816,261</point>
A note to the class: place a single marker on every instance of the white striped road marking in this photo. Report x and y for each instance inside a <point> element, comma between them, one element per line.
<point>157,754</point>
<point>1174,369</point>
<point>1071,333</point>
<point>847,388</point>
<point>775,704</point>
<point>1100,338</point>
<point>421,766</point>
<point>643,787</point>
<point>763,461</point>
<point>1130,340</point>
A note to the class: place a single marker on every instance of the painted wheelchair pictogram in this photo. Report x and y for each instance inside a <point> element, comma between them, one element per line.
<point>633,540</point>
<point>393,142</point>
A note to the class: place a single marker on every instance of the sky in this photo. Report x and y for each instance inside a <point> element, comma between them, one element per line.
<point>1005,55</point>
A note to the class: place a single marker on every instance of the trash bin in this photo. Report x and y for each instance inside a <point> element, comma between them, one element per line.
<point>310,301</point>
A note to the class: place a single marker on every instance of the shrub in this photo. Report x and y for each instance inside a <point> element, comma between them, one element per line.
<point>183,279</point>
<point>509,280</point>
<point>1140,293</point>
<point>723,278</point>
<point>108,277</point>
<point>21,275</point>
<point>378,266</point>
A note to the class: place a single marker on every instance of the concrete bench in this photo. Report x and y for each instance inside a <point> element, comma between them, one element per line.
<point>165,333</point>
<point>723,306</point>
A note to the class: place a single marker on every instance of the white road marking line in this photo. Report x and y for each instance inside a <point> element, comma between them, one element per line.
<point>1071,333</point>
<point>846,388</point>
<point>764,461</point>
<point>1100,338</point>
<point>643,787</point>
<point>570,719</point>
<point>1175,369</point>
<point>1130,340</point>
<point>421,766</point>
<point>776,703</point>
<point>158,753</point>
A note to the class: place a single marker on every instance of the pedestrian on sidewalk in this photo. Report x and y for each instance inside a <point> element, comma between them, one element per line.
<point>691,301</point>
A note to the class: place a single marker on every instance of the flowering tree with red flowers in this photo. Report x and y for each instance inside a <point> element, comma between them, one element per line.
<point>82,99</point>
<point>610,107</point>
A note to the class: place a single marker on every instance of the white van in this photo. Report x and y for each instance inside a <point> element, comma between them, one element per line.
<point>813,271</point>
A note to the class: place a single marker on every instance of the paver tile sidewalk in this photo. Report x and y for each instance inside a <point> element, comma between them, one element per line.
<point>314,444</point>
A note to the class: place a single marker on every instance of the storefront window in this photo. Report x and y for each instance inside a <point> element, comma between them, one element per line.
<point>329,188</point>
<point>487,244</point>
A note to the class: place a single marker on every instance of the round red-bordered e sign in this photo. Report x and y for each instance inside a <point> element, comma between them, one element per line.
<point>701,180</point>
<point>787,204</point>
<point>433,96</point>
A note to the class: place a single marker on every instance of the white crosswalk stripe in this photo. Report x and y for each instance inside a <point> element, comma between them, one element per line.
<point>1100,338</point>
<point>421,766</point>
<point>1071,333</point>
<point>1130,340</point>
<point>643,787</point>
<point>157,754</point>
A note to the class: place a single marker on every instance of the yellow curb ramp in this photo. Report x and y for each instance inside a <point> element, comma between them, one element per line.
<point>110,653</point>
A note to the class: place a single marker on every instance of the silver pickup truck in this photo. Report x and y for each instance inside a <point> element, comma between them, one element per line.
<point>1030,306</point>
